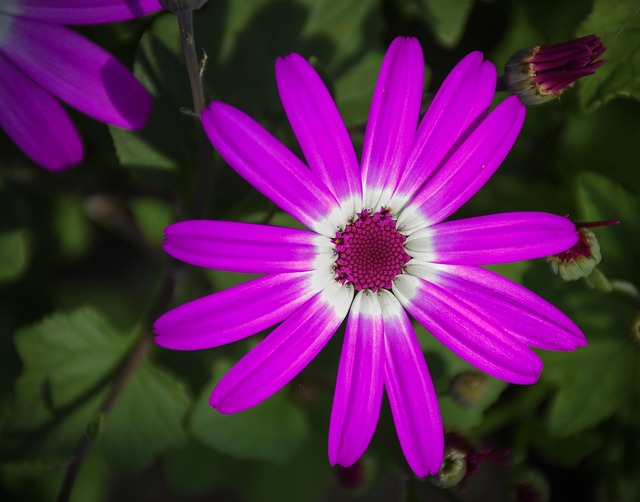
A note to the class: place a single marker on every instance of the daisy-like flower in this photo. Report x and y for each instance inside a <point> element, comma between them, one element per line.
<point>377,249</point>
<point>42,61</point>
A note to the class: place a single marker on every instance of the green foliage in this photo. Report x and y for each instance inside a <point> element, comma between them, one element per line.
<point>618,23</point>
<point>70,361</point>
<point>446,19</point>
<point>13,254</point>
<point>274,430</point>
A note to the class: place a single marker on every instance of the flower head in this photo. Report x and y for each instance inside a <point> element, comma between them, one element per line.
<point>377,248</point>
<point>544,72</point>
<point>42,61</point>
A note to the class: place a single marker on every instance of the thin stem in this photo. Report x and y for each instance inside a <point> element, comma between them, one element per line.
<point>195,71</point>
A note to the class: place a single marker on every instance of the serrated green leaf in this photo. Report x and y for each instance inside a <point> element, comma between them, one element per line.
<point>146,420</point>
<point>594,383</point>
<point>447,19</point>
<point>273,431</point>
<point>70,361</point>
<point>13,254</point>
<point>618,23</point>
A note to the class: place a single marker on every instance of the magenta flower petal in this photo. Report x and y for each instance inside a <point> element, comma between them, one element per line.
<point>497,238</point>
<point>77,71</point>
<point>284,352</point>
<point>358,396</point>
<point>392,121</point>
<point>381,242</point>
<point>467,331</point>
<point>235,313</point>
<point>270,167</point>
<point>521,313</point>
<point>53,143</point>
<point>413,400</point>
<point>462,100</point>
<point>320,130</point>
<point>79,11</point>
<point>247,247</point>
<point>468,169</point>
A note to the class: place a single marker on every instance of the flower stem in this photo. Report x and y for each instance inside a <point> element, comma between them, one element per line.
<point>195,72</point>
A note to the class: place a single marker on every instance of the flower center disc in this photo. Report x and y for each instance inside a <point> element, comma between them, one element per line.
<point>370,251</point>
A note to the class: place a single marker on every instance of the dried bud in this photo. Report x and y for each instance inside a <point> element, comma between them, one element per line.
<point>468,389</point>
<point>580,260</point>
<point>543,72</point>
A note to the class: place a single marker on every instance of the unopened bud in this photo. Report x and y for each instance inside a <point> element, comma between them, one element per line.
<point>580,260</point>
<point>543,72</point>
<point>468,389</point>
<point>453,469</point>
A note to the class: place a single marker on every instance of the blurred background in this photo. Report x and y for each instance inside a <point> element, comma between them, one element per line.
<point>81,271</point>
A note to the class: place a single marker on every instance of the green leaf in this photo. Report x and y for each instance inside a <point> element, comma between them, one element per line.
<point>447,19</point>
<point>70,362</point>
<point>152,217</point>
<point>68,359</point>
<point>146,420</point>
<point>354,89</point>
<point>342,23</point>
<point>565,452</point>
<point>594,383</point>
<point>167,142</point>
<point>601,199</point>
<point>618,23</point>
<point>274,430</point>
<point>14,253</point>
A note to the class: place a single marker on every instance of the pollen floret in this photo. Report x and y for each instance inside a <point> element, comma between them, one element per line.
<point>370,251</point>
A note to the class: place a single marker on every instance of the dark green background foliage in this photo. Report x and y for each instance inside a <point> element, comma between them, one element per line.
<point>81,268</point>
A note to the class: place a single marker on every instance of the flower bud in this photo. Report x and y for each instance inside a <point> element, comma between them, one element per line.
<point>543,72</point>
<point>469,388</point>
<point>580,260</point>
<point>453,469</point>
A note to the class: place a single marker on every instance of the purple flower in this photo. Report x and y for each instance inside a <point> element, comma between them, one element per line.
<point>42,61</point>
<point>377,249</point>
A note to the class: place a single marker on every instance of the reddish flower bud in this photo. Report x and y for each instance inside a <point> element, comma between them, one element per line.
<point>543,72</point>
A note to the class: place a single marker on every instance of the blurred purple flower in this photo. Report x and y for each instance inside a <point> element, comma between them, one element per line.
<point>42,61</point>
<point>377,247</point>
